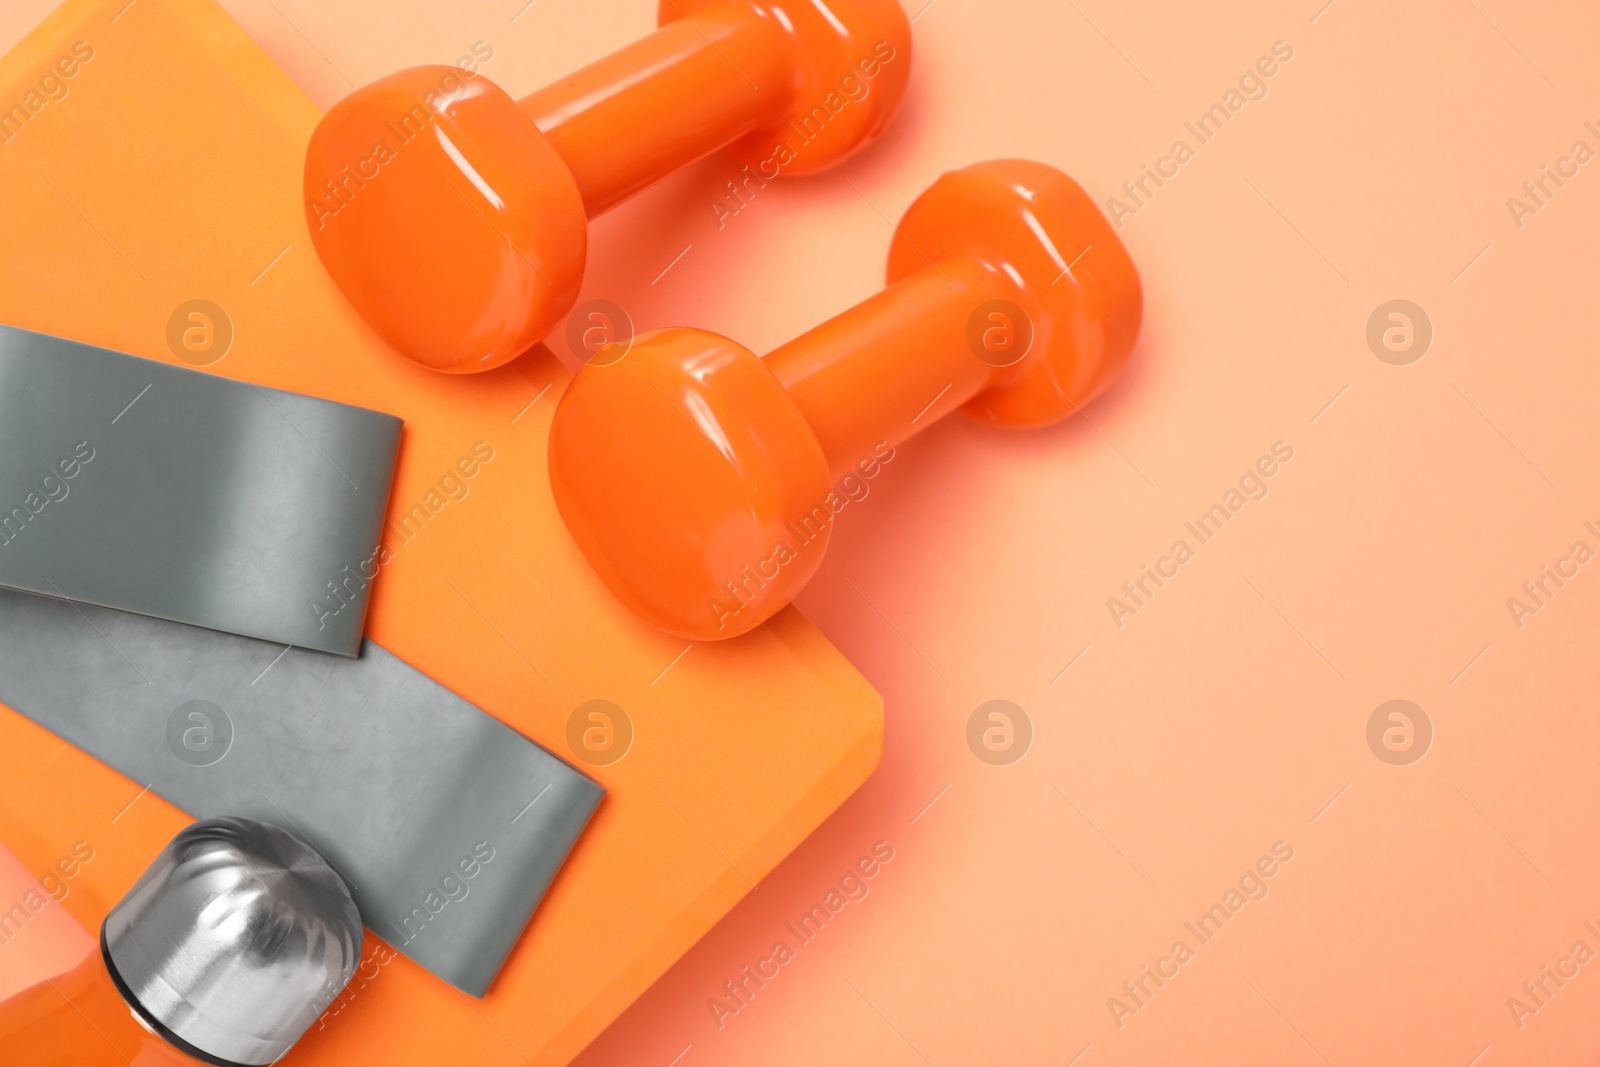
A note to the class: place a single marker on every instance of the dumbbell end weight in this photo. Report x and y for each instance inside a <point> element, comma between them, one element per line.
<point>449,221</point>
<point>678,469</point>
<point>1053,255</point>
<point>702,482</point>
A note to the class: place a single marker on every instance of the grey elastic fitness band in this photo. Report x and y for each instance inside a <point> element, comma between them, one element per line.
<point>177,494</point>
<point>447,824</point>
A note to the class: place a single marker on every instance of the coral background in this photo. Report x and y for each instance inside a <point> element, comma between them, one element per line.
<point>1231,712</point>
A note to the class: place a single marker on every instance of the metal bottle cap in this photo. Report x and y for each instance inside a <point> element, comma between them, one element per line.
<point>233,941</point>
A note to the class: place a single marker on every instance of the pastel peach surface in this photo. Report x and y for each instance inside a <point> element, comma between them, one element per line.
<point>696,478</point>
<point>1177,749</point>
<point>454,217</point>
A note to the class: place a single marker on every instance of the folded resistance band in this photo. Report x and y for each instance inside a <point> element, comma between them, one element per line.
<point>447,824</point>
<point>137,497</point>
<point>174,493</point>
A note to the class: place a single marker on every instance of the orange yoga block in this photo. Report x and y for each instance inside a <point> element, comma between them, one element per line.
<point>136,194</point>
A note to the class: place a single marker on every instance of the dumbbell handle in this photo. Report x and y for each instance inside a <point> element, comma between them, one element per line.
<point>664,101</point>
<point>893,364</point>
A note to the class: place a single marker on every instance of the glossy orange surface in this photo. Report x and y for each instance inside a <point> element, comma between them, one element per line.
<point>696,478</point>
<point>849,62</point>
<point>666,100</point>
<point>1046,246</point>
<point>688,538</point>
<point>447,218</point>
<point>78,1019</point>
<point>454,218</point>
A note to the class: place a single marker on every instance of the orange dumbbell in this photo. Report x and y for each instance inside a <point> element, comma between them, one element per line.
<point>454,217</point>
<point>701,481</point>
